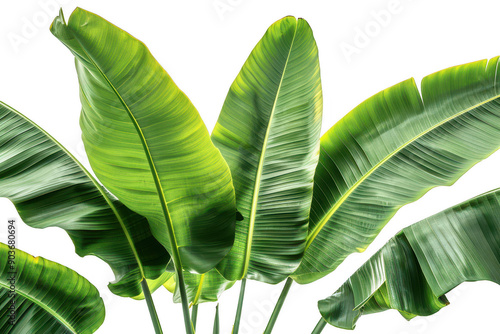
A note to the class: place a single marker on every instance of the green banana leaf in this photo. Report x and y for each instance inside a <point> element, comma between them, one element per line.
<point>166,279</point>
<point>392,149</point>
<point>47,297</point>
<point>416,268</point>
<point>268,132</point>
<point>50,188</point>
<point>199,288</point>
<point>147,143</point>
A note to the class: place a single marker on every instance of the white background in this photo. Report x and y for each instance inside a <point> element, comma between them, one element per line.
<point>203,50</point>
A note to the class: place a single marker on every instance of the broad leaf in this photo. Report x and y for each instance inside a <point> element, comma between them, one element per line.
<point>48,297</point>
<point>393,148</point>
<point>50,188</point>
<point>415,269</point>
<point>147,143</point>
<point>268,132</point>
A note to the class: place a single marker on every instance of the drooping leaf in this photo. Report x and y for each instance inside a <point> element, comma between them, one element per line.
<point>268,132</point>
<point>416,268</point>
<point>45,297</point>
<point>392,149</point>
<point>147,143</point>
<point>50,188</point>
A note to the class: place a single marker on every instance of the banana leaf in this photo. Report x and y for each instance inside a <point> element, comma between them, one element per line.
<point>50,188</point>
<point>38,296</point>
<point>416,268</point>
<point>147,143</point>
<point>393,148</point>
<point>268,132</point>
<point>199,288</point>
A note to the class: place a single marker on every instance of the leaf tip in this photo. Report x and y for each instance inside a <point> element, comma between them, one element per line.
<point>58,22</point>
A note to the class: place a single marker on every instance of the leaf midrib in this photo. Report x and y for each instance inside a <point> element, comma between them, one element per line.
<point>159,188</point>
<point>199,290</point>
<point>317,229</point>
<point>255,197</point>
<point>44,307</point>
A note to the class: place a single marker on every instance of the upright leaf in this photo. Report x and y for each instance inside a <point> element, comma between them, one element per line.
<point>393,148</point>
<point>47,297</point>
<point>147,143</point>
<point>216,321</point>
<point>50,188</point>
<point>415,269</point>
<point>268,132</point>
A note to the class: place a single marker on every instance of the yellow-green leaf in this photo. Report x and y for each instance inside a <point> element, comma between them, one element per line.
<point>147,143</point>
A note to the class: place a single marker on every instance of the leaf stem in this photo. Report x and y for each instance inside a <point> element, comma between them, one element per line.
<point>185,303</point>
<point>151,307</point>
<point>216,320</point>
<point>278,306</point>
<point>194,315</point>
<point>319,327</point>
<point>236,326</point>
